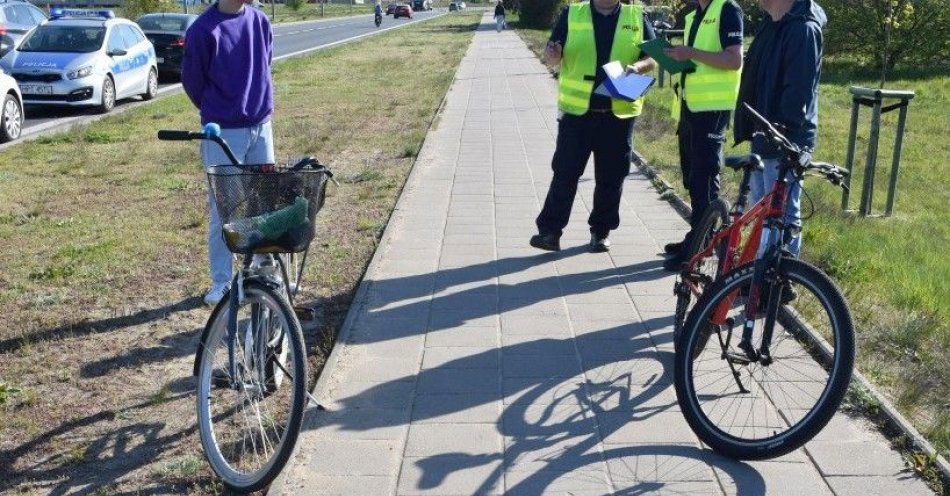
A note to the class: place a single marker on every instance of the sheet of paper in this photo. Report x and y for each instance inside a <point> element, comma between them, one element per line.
<point>613,69</point>
<point>622,86</point>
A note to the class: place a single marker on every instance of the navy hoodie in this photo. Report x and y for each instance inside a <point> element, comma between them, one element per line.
<point>780,77</point>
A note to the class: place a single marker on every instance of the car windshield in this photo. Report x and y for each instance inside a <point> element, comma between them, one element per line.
<point>74,39</point>
<point>160,23</point>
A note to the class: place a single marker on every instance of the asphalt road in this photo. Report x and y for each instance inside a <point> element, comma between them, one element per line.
<point>289,40</point>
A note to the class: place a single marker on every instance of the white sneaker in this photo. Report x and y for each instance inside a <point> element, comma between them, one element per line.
<point>216,294</point>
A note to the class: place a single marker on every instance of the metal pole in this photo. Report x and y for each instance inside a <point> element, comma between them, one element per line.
<point>867,195</point>
<point>898,145</point>
<point>849,161</point>
<point>273,10</point>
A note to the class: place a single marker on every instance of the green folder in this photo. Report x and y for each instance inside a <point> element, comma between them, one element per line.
<point>654,48</point>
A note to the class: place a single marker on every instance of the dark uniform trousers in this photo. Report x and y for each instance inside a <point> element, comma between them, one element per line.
<point>701,137</point>
<point>610,140</point>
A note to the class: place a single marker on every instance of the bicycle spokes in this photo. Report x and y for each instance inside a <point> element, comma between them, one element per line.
<point>250,406</point>
<point>760,376</point>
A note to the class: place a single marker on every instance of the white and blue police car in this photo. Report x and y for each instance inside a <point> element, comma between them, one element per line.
<point>83,58</point>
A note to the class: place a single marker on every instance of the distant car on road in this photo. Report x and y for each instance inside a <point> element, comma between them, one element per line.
<point>453,7</point>
<point>83,58</point>
<point>17,18</point>
<point>391,9</point>
<point>421,5</point>
<point>167,34</point>
<point>403,10</point>
<point>11,109</point>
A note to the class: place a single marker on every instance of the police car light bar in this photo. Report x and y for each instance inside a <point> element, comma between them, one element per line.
<point>60,12</point>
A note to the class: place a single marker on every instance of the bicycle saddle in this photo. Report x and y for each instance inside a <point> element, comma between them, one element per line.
<point>751,162</point>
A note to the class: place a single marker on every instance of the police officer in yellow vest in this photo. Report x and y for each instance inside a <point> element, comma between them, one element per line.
<point>703,100</point>
<point>587,36</point>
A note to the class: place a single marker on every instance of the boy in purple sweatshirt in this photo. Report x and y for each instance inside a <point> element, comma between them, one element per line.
<point>226,74</point>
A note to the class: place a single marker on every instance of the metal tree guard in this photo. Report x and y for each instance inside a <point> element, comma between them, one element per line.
<point>874,98</point>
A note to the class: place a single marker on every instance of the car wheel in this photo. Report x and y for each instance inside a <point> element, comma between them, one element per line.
<point>151,88</point>
<point>11,119</point>
<point>108,96</point>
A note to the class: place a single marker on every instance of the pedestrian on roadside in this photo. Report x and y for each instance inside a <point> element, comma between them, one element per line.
<point>499,16</point>
<point>780,81</point>
<point>226,74</point>
<point>702,101</point>
<point>587,36</point>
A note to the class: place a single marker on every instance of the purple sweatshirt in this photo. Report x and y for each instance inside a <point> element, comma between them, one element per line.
<point>226,67</point>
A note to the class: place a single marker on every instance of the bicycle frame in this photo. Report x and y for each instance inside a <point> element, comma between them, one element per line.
<point>769,208</point>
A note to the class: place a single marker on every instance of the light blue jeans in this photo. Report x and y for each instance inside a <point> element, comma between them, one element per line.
<point>251,145</point>
<point>760,184</point>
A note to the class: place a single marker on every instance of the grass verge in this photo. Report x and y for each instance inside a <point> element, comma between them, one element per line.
<point>102,232</point>
<point>892,270</point>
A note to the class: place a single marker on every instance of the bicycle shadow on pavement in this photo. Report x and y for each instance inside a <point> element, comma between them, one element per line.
<point>554,423</point>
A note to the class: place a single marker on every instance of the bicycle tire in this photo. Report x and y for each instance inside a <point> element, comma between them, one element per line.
<point>293,336</point>
<point>830,397</point>
<point>715,219</point>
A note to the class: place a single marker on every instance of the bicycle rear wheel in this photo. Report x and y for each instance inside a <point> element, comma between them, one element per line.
<point>249,421</point>
<point>715,219</point>
<point>753,409</point>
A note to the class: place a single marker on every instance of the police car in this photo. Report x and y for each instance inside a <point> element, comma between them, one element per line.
<point>83,58</point>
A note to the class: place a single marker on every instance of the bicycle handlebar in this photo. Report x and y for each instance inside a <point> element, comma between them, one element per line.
<point>168,135</point>
<point>794,154</point>
<point>212,132</point>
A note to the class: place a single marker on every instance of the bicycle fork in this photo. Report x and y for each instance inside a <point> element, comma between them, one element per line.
<point>764,281</point>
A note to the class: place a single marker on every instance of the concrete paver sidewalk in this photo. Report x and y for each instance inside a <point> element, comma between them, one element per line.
<point>474,364</point>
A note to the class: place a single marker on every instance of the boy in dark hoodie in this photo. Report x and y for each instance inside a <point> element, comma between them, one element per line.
<point>780,80</point>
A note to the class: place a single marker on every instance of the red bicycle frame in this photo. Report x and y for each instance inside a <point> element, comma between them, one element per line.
<point>771,206</point>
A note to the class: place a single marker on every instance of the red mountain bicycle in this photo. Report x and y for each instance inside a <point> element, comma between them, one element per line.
<point>783,351</point>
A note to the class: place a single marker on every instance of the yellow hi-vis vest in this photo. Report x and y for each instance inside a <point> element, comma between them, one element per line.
<point>708,88</point>
<point>579,63</point>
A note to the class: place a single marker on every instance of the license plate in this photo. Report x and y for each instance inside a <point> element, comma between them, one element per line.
<point>161,60</point>
<point>36,89</point>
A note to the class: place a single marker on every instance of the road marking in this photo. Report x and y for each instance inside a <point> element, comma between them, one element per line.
<point>353,38</point>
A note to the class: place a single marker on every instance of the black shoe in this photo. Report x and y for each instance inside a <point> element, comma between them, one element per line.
<point>674,263</point>
<point>547,242</point>
<point>599,244</point>
<point>673,248</point>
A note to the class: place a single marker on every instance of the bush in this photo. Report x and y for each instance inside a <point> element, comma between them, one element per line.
<point>540,14</point>
<point>133,9</point>
<point>294,5</point>
<point>888,33</point>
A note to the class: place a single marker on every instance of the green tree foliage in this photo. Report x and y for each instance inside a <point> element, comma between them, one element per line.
<point>132,9</point>
<point>295,5</point>
<point>889,32</point>
<point>540,14</point>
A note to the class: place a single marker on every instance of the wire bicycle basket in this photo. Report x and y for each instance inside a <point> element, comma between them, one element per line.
<point>266,208</point>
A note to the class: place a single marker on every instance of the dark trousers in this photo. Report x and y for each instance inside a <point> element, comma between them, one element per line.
<point>610,140</point>
<point>701,136</point>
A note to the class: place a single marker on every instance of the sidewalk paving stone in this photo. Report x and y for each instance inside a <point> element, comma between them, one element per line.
<point>472,363</point>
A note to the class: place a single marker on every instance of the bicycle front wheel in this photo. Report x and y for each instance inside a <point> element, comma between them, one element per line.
<point>766,407</point>
<point>715,219</point>
<point>250,410</point>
